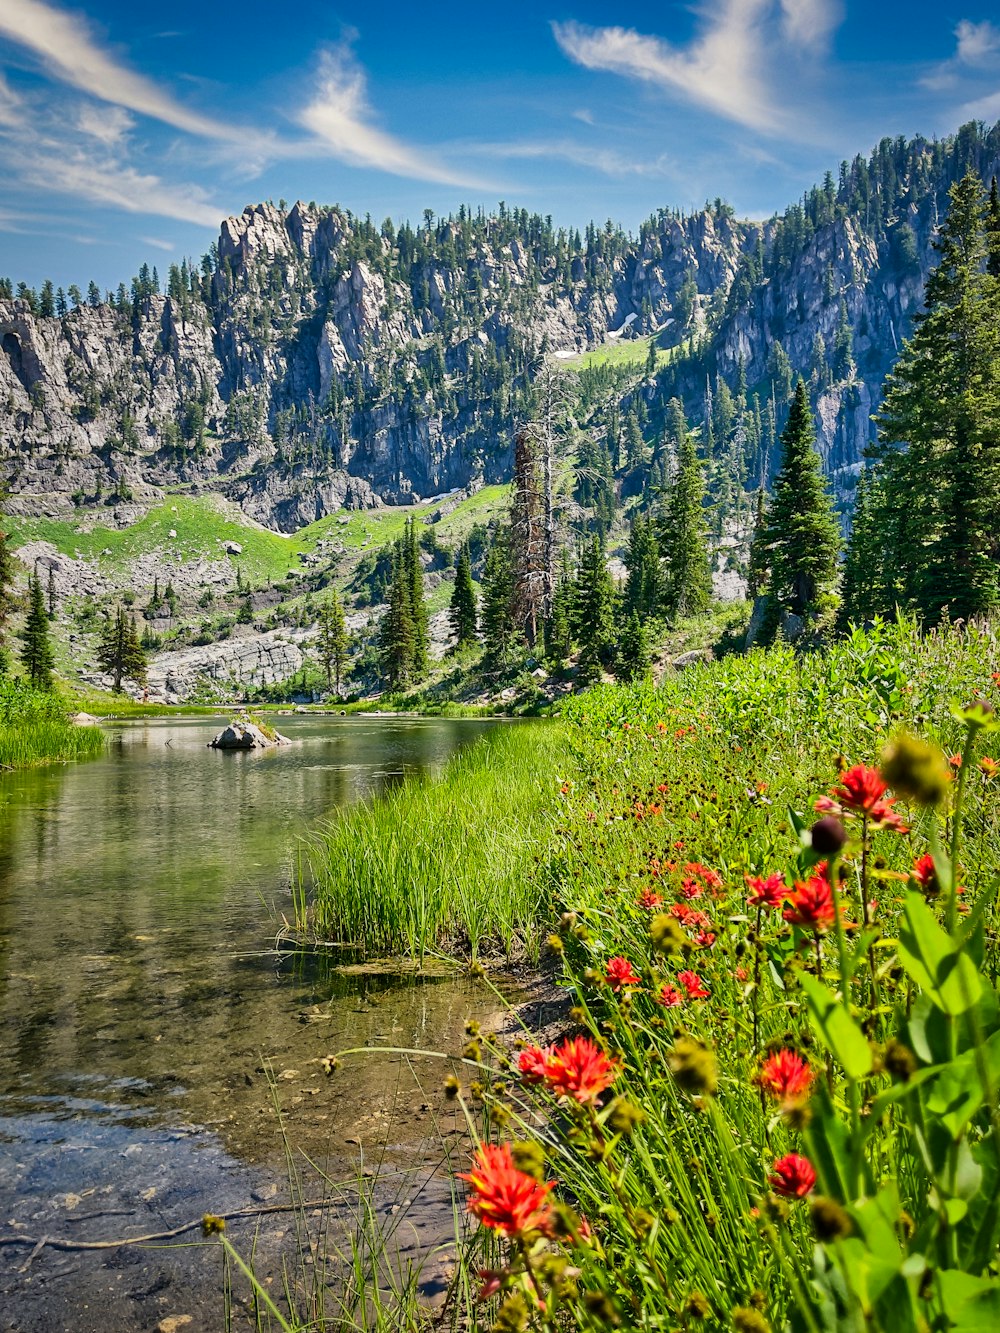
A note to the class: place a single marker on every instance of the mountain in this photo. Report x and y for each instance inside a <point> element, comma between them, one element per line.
<point>315,361</point>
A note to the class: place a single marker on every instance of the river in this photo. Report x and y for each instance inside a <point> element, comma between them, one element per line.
<point>150,1031</point>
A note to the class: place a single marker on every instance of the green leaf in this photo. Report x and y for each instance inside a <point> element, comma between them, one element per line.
<point>971,1304</point>
<point>837,1029</point>
<point>934,961</point>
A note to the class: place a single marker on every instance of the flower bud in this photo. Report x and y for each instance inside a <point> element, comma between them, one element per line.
<point>916,770</point>
<point>828,836</point>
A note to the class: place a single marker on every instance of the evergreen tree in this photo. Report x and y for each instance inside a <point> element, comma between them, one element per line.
<point>642,560</point>
<point>942,402</point>
<point>464,609</point>
<point>6,600</point>
<point>633,651</point>
<point>331,641</point>
<point>683,539</point>
<point>863,592</point>
<point>993,232</point>
<point>120,652</point>
<point>559,630</point>
<point>496,620</point>
<point>397,636</point>
<point>595,604</point>
<point>759,566</point>
<point>418,606</point>
<point>36,650</point>
<point>802,535</point>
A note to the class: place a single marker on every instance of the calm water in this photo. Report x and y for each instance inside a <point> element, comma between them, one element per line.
<point>140,1001</point>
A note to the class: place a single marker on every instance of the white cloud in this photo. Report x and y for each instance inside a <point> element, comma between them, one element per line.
<point>10,105</point>
<point>109,126</point>
<point>810,23</point>
<point>976,41</point>
<point>729,68</point>
<point>157,243</point>
<point>339,117</point>
<point>606,160</point>
<point>69,52</point>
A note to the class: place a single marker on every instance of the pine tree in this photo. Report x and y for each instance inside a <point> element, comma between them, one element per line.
<point>632,661</point>
<point>942,402</point>
<point>496,621</point>
<point>759,567</point>
<point>802,535</point>
<point>417,605</point>
<point>36,650</point>
<point>331,641</point>
<point>993,232</point>
<point>528,543</point>
<point>558,630</point>
<point>464,609</point>
<point>6,600</point>
<point>595,604</point>
<point>863,593</point>
<point>642,560</point>
<point>683,538</point>
<point>120,652</point>
<point>397,637</point>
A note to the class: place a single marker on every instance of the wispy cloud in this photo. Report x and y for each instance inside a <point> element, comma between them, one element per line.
<point>976,41</point>
<point>976,56</point>
<point>70,53</point>
<point>157,243</point>
<point>11,106</point>
<point>728,68</point>
<point>340,117</point>
<point>606,160</point>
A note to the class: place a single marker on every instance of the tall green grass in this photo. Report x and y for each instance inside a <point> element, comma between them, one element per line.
<point>34,729</point>
<point>447,862</point>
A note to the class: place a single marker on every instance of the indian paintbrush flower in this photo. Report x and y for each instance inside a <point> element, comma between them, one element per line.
<point>503,1198</point>
<point>620,972</point>
<point>769,892</point>
<point>793,1176</point>
<point>787,1077</point>
<point>811,904</point>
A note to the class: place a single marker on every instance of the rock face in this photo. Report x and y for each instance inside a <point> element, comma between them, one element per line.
<point>316,362</point>
<point>246,736</point>
<point>231,665</point>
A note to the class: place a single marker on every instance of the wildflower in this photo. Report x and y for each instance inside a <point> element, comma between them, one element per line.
<point>532,1063</point>
<point>661,727</point>
<point>793,1176</point>
<point>693,985</point>
<point>620,972</point>
<point>693,1066</point>
<point>690,888</point>
<point>860,789</point>
<point>711,877</point>
<point>503,1198</point>
<point>492,1282</point>
<point>787,1077</point>
<point>915,770</point>
<point>681,911</point>
<point>811,905</point>
<point>704,939</point>
<point>740,974</point>
<point>770,892</point>
<point>624,1116</point>
<point>955,761</point>
<point>669,996</point>
<point>650,900</point>
<point>580,1069</point>
<point>988,766</point>
<point>212,1225</point>
<point>885,817</point>
<point>926,876</point>
<point>662,788</point>
<point>828,835</point>
<point>452,1087</point>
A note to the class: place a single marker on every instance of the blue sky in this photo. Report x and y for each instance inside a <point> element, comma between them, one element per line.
<point>128,131</point>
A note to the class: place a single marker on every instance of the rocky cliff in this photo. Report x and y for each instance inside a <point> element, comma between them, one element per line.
<point>315,361</point>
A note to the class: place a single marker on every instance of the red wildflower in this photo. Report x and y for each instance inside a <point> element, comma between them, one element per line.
<point>770,892</point>
<point>669,996</point>
<point>924,873</point>
<point>697,920</point>
<point>693,985</point>
<point>580,1069</point>
<point>661,727</point>
<point>711,877</point>
<point>882,813</point>
<point>662,788</point>
<point>492,1282</point>
<point>704,939</point>
<point>793,1176</point>
<point>811,904</point>
<point>989,766</point>
<point>679,845</point>
<point>649,899</point>
<point>955,761</point>
<point>532,1063</point>
<point>503,1198</point>
<point>681,911</point>
<point>787,1077</point>
<point>860,789</point>
<point>740,974</point>
<point>620,972</point>
<point>690,888</point>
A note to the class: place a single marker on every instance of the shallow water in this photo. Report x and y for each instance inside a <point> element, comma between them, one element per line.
<point>148,1027</point>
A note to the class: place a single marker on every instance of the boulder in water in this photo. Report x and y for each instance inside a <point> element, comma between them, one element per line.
<point>246,736</point>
